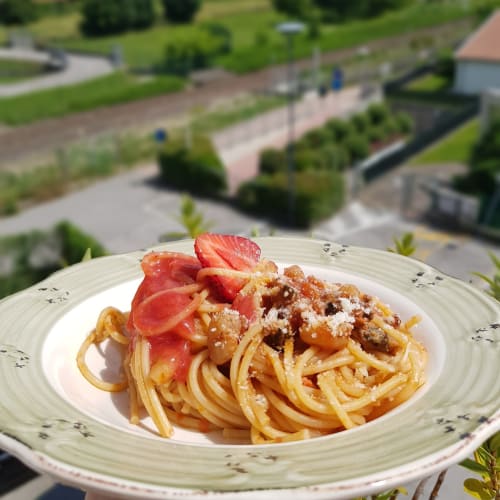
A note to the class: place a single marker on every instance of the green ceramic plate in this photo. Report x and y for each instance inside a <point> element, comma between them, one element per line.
<point>57,423</point>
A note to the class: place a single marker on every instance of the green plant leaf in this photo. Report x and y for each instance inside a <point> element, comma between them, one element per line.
<point>404,245</point>
<point>478,489</point>
<point>493,444</point>
<point>473,466</point>
<point>87,255</point>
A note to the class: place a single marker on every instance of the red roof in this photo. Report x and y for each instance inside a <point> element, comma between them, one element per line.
<point>484,43</point>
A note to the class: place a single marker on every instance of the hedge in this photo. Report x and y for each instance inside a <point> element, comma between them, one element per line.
<point>319,157</point>
<point>74,243</point>
<point>194,167</point>
<point>193,52</point>
<point>33,256</point>
<point>318,194</point>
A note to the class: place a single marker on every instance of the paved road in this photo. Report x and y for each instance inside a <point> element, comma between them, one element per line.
<point>78,68</point>
<point>132,211</point>
<point>31,140</point>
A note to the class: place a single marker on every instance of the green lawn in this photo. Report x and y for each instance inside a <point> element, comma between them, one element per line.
<point>107,90</point>
<point>252,23</point>
<point>454,148</point>
<point>430,83</point>
<point>348,34</point>
<point>145,49</point>
<point>12,70</point>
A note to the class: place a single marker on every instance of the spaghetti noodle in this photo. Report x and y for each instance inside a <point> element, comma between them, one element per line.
<point>289,358</point>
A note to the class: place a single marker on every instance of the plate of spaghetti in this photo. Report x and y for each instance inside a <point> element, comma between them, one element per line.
<point>228,367</point>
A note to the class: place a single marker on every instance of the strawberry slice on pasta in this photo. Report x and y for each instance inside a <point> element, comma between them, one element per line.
<point>230,253</point>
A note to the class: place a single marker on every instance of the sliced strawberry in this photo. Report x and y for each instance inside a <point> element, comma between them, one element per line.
<point>227,252</point>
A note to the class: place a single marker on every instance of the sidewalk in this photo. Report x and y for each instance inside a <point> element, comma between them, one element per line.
<point>78,68</point>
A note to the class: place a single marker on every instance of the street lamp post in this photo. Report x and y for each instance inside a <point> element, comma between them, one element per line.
<point>289,30</point>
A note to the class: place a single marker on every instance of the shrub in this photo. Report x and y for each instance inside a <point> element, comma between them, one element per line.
<point>361,122</point>
<point>310,159</point>
<point>190,53</point>
<point>115,16</point>
<point>390,127</point>
<point>197,170</point>
<point>358,147</point>
<point>340,129</point>
<point>318,194</point>
<point>486,151</point>
<point>476,182</point>
<point>272,161</point>
<point>318,137</point>
<point>261,38</point>
<point>375,133</point>
<point>181,11</point>
<point>484,167</point>
<point>445,65</point>
<point>223,34</point>
<point>404,122</point>
<point>336,157</point>
<point>294,8</point>
<point>16,11</point>
<point>378,113</point>
<point>74,243</point>
<point>33,256</point>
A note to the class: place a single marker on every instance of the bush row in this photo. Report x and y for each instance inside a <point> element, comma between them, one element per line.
<point>315,196</point>
<point>196,51</point>
<point>341,143</point>
<point>319,158</point>
<point>191,164</point>
<point>100,18</point>
<point>31,257</point>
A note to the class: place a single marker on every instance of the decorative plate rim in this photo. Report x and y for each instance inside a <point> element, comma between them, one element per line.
<point>458,427</point>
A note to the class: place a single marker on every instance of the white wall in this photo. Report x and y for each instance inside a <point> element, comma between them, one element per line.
<point>472,77</point>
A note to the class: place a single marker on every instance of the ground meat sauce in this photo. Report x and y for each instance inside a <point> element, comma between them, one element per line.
<point>312,311</point>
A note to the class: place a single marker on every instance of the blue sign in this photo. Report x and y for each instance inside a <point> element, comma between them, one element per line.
<point>160,135</point>
<point>337,79</point>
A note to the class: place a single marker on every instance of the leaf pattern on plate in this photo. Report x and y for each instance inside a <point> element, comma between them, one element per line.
<point>333,250</point>
<point>426,279</point>
<point>54,295</point>
<point>17,357</point>
<point>489,334</point>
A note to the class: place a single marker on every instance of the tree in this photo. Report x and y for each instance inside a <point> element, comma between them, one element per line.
<point>116,16</point>
<point>483,165</point>
<point>353,9</point>
<point>144,14</point>
<point>181,11</point>
<point>17,11</point>
<point>294,8</point>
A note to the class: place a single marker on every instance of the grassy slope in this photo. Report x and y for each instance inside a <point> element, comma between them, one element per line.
<point>115,88</point>
<point>454,148</point>
<point>249,20</point>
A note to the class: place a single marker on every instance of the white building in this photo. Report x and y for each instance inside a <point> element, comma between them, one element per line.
<point>477,61</point>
